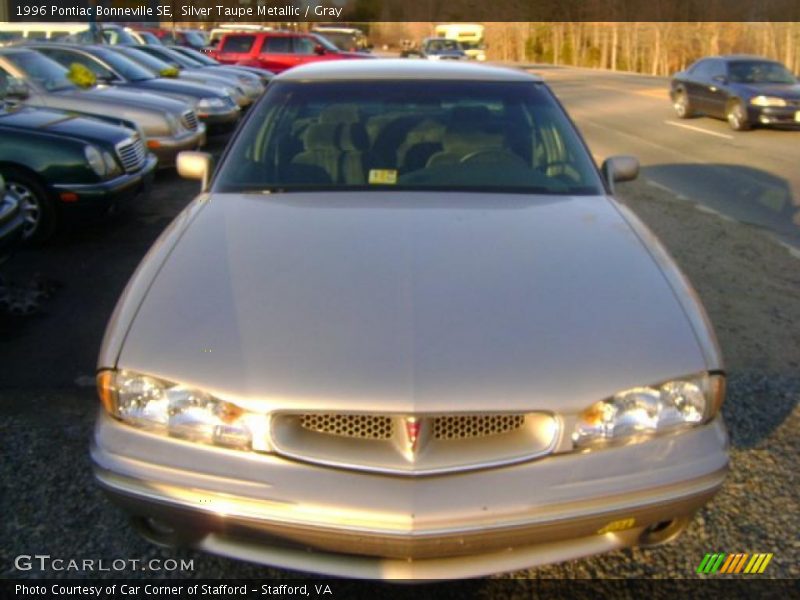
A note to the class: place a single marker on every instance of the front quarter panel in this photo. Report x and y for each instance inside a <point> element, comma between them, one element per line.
<point>683,289</point>
<point>139,283</point>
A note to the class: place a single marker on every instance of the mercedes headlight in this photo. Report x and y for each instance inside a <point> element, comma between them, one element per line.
<point>173,123</point>
<point>112,167</point>
<point>767,101</point>
<point>95,160</point>
<point>210,103</point>
<point>177,410</point>
<point>637,414</point>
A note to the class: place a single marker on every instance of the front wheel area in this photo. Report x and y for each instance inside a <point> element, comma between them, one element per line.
<point>736,115</point>
<point>38,209</point>
<point>682,105</point>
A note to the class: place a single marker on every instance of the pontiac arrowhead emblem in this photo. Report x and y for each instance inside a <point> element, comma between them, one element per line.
<point>413,428</point>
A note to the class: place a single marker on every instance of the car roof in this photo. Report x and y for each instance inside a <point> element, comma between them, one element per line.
<point>742,57</point>
<point>402,68</point>
<point>271,33</point>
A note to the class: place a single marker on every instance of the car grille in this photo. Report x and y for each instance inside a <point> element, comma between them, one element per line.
<point>365,427</point>
<point>475,426</point>
<point>416,444</point>
<point>131,153</point>
<point>189,120</point>
<point>381,427</point>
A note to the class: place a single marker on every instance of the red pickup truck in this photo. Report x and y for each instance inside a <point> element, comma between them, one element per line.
<point>277,50</point>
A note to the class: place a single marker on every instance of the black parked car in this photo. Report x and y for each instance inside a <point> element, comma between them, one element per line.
<point>59,166</point>
<point>12,220</point>
<point>744,90</point>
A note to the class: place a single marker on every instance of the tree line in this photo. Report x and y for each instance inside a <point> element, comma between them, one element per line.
<point>651,48</point>
<point>654,48</point>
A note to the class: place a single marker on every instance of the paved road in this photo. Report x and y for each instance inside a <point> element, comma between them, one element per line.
<point>751,176</point>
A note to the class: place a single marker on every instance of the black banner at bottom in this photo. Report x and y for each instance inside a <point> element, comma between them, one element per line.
<point>320,589</point>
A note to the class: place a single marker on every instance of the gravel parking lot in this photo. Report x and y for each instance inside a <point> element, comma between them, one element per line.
<point>749,284</point>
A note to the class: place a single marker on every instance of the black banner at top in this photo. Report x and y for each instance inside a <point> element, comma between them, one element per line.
<point>288,11</point>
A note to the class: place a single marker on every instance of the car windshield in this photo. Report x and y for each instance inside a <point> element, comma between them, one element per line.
<point>203,59</point>
<point>759,72</point>
<point>324,43</point>
<point>343,41</point>
<point>41,70</point>
<point>180,58</point>
<point>149,38</point>
<point>144,59</point>
<point>118,36</point>
<point>194,39</point>
<point>409,135</point>
<point>442,46</point>
<point>124,66</point>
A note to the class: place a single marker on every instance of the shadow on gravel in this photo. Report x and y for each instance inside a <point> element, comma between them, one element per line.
<point>756,405</point>
<point>749,195</point>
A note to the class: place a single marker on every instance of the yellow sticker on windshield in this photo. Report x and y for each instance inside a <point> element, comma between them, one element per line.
<point>383,176</point>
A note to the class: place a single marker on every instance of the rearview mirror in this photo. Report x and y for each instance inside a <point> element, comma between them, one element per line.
<point>195,165</point>
<point>620,168</point>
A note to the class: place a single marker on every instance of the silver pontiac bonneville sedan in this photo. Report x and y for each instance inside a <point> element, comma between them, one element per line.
<point>405,331</point>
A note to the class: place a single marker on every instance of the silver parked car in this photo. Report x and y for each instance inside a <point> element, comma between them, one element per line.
<point>215,106</point>
<point>405,331</point>
<point>167,124</point>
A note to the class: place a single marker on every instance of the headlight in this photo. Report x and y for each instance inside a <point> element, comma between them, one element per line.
<point>173,123</point>
<point>637,414</point>
<point>177,410</point>
<point>210,103</point>
<point>95,160</point>
<point>767,101</point>
<point>112,166</point>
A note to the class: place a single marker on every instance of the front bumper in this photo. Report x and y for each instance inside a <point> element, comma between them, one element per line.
<point>271,510</point>
<point>166,149</point>
<point>102,197</point>
<point>788,116</point>
<point>221,119</point>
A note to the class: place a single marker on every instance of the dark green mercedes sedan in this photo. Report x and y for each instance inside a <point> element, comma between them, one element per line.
<point>62,166</point>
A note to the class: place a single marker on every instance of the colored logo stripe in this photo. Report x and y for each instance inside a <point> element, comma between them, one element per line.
<point>719,562</point>
<point>758,563</point>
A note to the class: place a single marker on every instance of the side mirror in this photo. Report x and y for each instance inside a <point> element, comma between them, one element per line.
<point>620,168</point>
<point>195,165</point>
<point>319,49</point>
<point>720,79</point>
<point>17,89</point>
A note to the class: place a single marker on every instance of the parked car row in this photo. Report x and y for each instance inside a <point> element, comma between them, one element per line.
<point>84,126</point>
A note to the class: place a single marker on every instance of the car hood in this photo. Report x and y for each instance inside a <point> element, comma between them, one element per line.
<point>125,97</point>
<point>179,88</point>
<point>412,302</point>
<point>62,123</point>
<point>788,91</point>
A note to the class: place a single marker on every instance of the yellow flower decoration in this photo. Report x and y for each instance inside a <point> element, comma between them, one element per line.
<point>81,76</point>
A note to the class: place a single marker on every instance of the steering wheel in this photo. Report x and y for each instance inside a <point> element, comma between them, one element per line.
<point>493,155</point>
